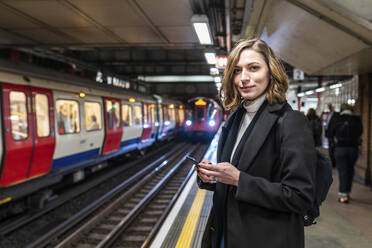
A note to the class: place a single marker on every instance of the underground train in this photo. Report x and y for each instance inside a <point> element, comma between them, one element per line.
<point>204,117</point>
<point>51,130</point>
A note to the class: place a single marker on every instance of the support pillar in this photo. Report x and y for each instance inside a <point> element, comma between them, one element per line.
<point>364,109</point>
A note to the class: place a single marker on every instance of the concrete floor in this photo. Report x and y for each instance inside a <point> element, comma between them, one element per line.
<point>343,225</point>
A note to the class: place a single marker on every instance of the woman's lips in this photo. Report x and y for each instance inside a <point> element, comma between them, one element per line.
<point>247,88</point>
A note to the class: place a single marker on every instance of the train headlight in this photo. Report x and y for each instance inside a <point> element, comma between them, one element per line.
<point>188,123</point>
<point>211,123</point>
<point>166,123</point>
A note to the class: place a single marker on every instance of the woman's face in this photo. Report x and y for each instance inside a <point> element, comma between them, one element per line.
<point>251,74</point>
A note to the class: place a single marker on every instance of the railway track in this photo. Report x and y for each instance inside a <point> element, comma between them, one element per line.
<point>138,212</point>
<point>17,223</point>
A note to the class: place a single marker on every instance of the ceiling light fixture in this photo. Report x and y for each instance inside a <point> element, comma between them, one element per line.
<point>202,29</point>
<point>210,57</point>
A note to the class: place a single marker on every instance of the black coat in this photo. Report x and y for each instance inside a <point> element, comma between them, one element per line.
<point>316,128</point>
<point>266,209</point>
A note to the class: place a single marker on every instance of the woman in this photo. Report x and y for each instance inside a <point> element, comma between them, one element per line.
<point>315,125</point>
<point>264,185</point>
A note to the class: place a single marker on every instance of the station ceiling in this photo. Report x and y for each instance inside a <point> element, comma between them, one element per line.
<point>131,38</point>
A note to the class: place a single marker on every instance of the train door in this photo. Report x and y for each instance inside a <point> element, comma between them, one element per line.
<point>153,120</point>
<point>131,119</point>
<point>113,127</point>
<point>160,121</point>
<point>29,133</point>
<point>147,125</point>
<point>43,131</point>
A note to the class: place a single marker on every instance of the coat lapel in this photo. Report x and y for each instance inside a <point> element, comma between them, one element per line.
<point>224,134</point>
<point>259,133</point>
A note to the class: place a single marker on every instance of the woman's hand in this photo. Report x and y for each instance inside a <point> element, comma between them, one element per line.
<point>205,178</point>
<point>222,172</point>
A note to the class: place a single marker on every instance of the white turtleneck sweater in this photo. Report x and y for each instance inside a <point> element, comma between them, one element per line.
<point>251,108</point>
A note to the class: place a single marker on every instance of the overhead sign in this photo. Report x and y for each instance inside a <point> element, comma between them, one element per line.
<point>221,62</point>
<point>298,74</point>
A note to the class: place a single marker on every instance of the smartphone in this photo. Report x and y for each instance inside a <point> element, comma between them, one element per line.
<point>193,160</point>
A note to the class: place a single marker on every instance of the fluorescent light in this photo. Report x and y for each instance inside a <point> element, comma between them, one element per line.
<point>210,57</point>
<point>301,94</point>
<point>176,78</point>
<point>309,92</point>
<point>201,26</point>
<point>320,89</point>
<point>335,86</point>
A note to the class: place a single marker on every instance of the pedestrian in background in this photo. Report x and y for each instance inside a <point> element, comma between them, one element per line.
<point>263,185</point>
<point>330,122</point>
<point>316,126</point>
<point>346,130</point>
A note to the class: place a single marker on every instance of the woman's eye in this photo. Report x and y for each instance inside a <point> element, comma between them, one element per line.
<point>237,70</point>
<point>255,68</point>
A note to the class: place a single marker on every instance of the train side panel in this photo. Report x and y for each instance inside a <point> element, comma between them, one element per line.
<point>70,131</point>
<point>29,132</point>
<point>149,129</point>
<point>72,143</point>
<point>132,125</point>
<point>93,124</point>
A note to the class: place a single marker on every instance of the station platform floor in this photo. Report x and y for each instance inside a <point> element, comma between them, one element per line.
<point>339,225</point>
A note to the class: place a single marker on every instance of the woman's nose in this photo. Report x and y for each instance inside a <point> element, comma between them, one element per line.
<point>245,76</point>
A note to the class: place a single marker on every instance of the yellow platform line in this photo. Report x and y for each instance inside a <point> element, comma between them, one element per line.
<point>192,219</point>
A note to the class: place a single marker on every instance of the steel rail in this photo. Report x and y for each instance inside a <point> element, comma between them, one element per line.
<point>84,213</point>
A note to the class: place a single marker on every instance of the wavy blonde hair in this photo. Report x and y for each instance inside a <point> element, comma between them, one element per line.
<point>278,84</point>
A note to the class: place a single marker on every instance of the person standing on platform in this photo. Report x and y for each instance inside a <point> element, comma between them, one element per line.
<point>316,126</point>
<point>264,184</point>
<point>331,145</point>
<point>346,130</point>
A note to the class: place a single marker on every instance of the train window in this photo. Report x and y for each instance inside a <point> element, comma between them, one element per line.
<point>181,114</point>
<point>68,118</point>
<point>188,114</point>
<point>93,116</point>
<point>166,113</point>
<point>172,114</point>
<point>152,113</point>
<point>137,115</point>
<point>145,114</point>
<point>42,115</point>
<point>18,115</point>
<point>199,114</point>
<point>113,114</point>
<point>126,113</point>
<point>211,111</point>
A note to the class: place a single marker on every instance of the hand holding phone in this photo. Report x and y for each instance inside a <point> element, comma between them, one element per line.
<point>193,160</point>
